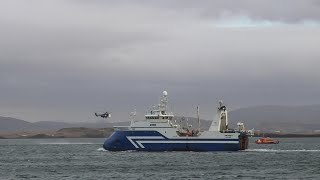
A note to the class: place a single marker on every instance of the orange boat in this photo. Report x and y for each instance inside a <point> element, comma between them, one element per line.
<point>266,140</point>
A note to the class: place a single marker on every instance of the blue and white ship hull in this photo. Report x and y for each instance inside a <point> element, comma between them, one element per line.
<point>155,141</point>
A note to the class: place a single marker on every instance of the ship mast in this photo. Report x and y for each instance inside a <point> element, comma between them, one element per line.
<point>163,102</point>
<point>133,115</point>
<point>198,116</point>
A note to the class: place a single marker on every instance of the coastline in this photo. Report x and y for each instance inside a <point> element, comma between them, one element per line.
<point>288,135</point>
<point>81,132</point>
<point>77,132</point>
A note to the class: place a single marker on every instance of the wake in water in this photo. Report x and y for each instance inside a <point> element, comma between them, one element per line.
<point>255,150</point>
<point>129,151</point>
<point>101,149</point>
<point>65,143</point>
<point>282,150</point>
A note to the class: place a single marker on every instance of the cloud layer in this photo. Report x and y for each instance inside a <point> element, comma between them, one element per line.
<point>63,60</point>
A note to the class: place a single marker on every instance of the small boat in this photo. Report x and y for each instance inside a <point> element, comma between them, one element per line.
<point>267,140</point>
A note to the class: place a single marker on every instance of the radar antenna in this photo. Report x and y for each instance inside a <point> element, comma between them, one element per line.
<point>164,101</point>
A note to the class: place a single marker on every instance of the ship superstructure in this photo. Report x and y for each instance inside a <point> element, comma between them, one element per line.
<point>159,131</point>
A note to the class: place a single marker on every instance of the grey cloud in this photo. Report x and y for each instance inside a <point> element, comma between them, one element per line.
<point>289,11</point>
<point>62,60</point>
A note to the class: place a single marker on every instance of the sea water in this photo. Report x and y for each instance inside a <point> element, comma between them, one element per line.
<point>292,158</point>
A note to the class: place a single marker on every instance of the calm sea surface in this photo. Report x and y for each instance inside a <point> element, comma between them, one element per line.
<point>293,158</point>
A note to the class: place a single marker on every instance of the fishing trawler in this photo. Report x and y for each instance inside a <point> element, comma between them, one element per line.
<point>159,131</point>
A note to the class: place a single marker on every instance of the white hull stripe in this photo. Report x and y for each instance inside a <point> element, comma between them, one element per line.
<point>142,137</point>
<point>188,142</point>
<point>140,142</point>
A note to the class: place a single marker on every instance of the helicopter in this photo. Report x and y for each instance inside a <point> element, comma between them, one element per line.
<point>103,115</point>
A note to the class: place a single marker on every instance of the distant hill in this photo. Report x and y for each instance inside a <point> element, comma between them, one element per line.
<point>205,124</point>
<point>264,118</point>
<point>84,132</point>
<point>12,124</point>
<point>285,118</point>
<point>77,132</point>
<point>8,124</point>
<point>51,125</point>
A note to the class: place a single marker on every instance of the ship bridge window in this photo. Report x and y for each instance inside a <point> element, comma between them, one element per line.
<point>152,117</point>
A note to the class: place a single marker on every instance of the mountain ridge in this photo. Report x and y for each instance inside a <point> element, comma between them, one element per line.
<point>264,118</point>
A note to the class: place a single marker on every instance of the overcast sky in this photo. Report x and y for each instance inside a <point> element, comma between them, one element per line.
<point>64,60</point>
